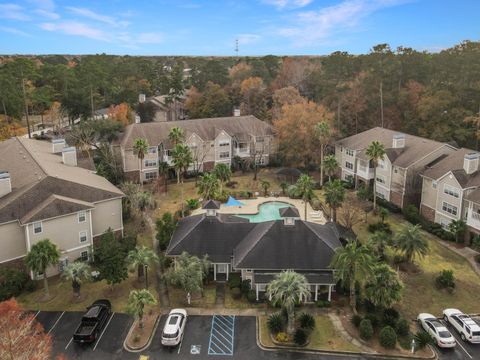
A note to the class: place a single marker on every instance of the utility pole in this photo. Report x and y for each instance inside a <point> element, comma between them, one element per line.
<point>26,105</point>
<point>236,48</point>
<point>91,101</point>
<point>381,101</point>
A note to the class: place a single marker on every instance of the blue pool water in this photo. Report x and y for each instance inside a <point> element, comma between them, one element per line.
<point>266,212</point>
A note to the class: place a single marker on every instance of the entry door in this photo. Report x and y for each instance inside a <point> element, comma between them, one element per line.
<point>222,268</point>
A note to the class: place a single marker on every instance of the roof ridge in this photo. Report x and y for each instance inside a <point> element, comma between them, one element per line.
<point>51,198</point>
<point>34,157</point>
<point>308,225</point>
<point>249,249</point>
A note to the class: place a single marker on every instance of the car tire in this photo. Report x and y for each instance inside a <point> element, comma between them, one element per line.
<point>445,317</point>
<point>463,337</point>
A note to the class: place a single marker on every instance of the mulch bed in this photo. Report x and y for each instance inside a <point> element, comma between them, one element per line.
<point>138,338</point>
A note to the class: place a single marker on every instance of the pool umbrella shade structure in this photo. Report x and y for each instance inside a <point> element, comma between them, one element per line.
<point>233,202</point>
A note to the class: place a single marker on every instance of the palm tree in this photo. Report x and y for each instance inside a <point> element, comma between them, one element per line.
<point>458,228</point>
<point>208,185</point>
<point>323,132</point>
<point>140,148</point>
<point>140,258</point>
<point>284,187</point>
<point>384,287</point>
<point>163,170</point>
<point>287,289</point>
<point>334,196</point>
<point>378,242</point>
<point>383,213</point>
<point>76,272</point>
<point>304,186</point>
<point>176,135</point>
<point>265,186</point>
<point>145,200</point>
<point>41,255</point>
<point>330,165</point>
<point>411,242</point>
<point>182,159</point>
<point>137,301</point>
<point>375,152</point>
<point>223,173</point>
<point>353,264</point>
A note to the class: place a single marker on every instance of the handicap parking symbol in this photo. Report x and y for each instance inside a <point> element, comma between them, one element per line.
<point>195,349</point>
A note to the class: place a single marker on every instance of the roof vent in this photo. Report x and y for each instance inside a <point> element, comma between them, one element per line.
<point>398,141</point>
<point>69,156</point>
<point>471,162</point>
<point>236,112</point>
<point>58,145</point>
<point>5,183</point>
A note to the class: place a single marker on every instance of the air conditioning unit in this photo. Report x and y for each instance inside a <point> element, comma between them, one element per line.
<point>62,264</point>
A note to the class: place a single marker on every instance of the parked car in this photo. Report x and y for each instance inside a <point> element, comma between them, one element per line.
<point>174,328</point>
<point>437,330</point>
<point>468,329</point>
<point>93,322</point>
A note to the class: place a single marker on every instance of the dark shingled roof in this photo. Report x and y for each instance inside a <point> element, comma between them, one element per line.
<point>320,277</point>
<point>289,212</point>
<point>211,205</point>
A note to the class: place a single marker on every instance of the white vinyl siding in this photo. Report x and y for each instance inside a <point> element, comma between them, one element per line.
<point>451,190</point>
<point>448,208</point>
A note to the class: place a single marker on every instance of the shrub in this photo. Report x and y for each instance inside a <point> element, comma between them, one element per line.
<point>390,317</point>
<point>300,337</point>
<point>445,280</point>
<point>388,337</point>
<point>356,320</point>
<point>475,243</point>
<point>193,204</point>
<point>323,303</point>
<point>251,296</point>
<point>369,306</point>
<point>316,204</point>
<point>245,286</point>
<point>275,323</point>
<point>231,184</point>
<point>366,329</point>
<point>389,206</point>
<point>412,214</point>
<point>281,337</point>
<point>423,339</point>
<point>234,282</point>
<point>12,283</point>
<point>376,227</point>
<point>373,319</point>
<point>402,328</point>
<point>307,321</point>
<point>236,293</point>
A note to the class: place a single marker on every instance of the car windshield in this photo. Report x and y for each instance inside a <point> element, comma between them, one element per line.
<point>170,336</point>
<point>476,333</point>
<point>444,334</point>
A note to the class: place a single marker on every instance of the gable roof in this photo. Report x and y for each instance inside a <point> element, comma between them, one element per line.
<point>36,174</point>
<point>454,163</point>
<point>415,147</point>
<point>211,205</point>
<point>289,212</point>
<point>208,128</point>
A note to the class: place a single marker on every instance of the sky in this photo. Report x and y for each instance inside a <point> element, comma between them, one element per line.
<point>211,27</point>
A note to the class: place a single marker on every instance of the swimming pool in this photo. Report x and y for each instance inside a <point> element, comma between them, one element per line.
<point>266,212</point>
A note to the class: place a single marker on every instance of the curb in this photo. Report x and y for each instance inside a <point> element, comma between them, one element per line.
<point>336,353</point>
<point>149,342</point>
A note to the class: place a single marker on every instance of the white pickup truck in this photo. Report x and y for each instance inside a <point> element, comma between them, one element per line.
<point>468,329</point>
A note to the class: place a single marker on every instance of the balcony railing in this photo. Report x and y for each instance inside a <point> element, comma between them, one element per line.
<point>365,172</point>
<point>473,219</point>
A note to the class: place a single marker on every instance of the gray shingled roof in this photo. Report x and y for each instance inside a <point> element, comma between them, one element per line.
<point>320,277</point>
<point>211,205</point>
<point>415,147</point>
<point>207,129</point>
<point>289,212</point>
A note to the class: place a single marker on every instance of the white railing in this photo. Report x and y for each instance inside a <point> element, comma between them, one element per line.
<point>365,172</point>
<point>473,219</point>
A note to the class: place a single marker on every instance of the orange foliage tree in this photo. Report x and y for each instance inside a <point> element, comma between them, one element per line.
<point>10,128</point>
<point>295,130</point>
<point>21,337</point>
<point>120,113</point>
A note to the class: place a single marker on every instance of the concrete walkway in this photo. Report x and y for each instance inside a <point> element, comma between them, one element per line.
<point>250,207</point>
<point>337,324</point>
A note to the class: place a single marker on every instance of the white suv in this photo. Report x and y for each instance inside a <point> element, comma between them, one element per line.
<point>468,329</point>
<point>174,328</point>
<point>437,330</point>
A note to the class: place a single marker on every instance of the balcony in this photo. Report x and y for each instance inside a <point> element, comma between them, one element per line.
<point>365,172</point>
<point>242,152</point>
<point>473,219</point>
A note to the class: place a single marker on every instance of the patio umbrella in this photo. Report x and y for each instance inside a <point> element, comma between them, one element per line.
<point>233,202</point>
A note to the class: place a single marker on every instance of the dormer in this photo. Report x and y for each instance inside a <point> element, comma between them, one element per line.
<point>471,162</point>
<point>289,215</point>
<point>211,207</point>
<point>398,141</point>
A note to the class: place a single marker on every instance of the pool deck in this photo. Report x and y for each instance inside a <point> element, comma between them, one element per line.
<point>251,207</point>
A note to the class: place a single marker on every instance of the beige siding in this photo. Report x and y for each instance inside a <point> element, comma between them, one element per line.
<point>429,193</point>
<point>64,231</point>
<point>107,214</point>
<point>385,175</point>
<point>223,137</point>
<point>130,160</point>
<point>442,197</point>
<point>12,241</point>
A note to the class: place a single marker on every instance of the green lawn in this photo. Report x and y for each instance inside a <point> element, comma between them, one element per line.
<point>178,297</point>
<point>242,303</point>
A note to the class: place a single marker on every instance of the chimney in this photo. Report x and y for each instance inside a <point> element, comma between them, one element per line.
<point>58,145</point>
<point>398,141</point>
<point>5,183</point>
<point>141,98</point>
<point>236,112</point>
<point>69,156</point>
<point>471,162</point>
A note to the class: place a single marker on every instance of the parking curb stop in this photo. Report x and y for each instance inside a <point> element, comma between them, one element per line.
<point>149,342</point>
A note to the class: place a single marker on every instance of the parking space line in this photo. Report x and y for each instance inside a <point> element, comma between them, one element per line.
<point>38,312</point>
<point>55,323</point>
<point>459,339</point>
<point>69,343</point>
<point>103,332</point>
<point>222,335</point>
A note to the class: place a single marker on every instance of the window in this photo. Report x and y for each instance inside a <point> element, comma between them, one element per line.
<point>83,236</point>
<point>82,216</point>
<point>37,227</point>
<point>150,163</point>
<point>152,150</point>
<point>224,143</point>
<point>450,190</point>
<point>449,208</point>
<point>380,179</point>
<point>348,165</point>
<point>224,154</point>
<point>243,147</point>
<point>150,175</point>
<point>260,160</point>
<point>381,164</point>
<point>395,170</point>
<point>444,224</point>
<point>380,195</point>
<point>349,152</point>
<point>259,139</point>
<point>434,184</point>
<point>84,255</point>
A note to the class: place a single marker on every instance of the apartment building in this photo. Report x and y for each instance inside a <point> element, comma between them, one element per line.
<point>44,193</point>
<point>212,141</point>
<point>397,179</point>
<point>451,190</point>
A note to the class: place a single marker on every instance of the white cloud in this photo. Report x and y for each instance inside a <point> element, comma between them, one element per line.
<point>13,12</point>
<point>245,39</point>
<point>14,31</point>
<point>76,28</point>
<point>98,17</point>
<point>150,38</point>
<point>43,4</point>
<point>47,14</point>
<point>288,4</point>
<point>316,26</point>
